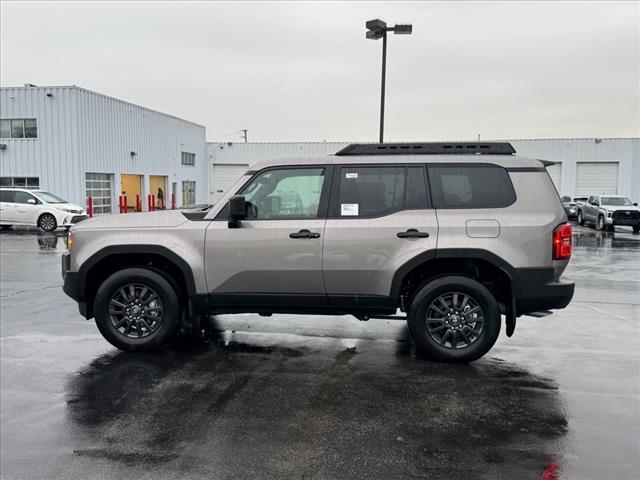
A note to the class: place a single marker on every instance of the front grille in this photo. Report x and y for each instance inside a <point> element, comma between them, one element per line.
<point>78,218</point>
<point>628,215</point>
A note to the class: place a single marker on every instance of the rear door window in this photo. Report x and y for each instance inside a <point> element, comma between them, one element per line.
<point>8,196</point>
<point>375,191</point>
<point>470,186</point>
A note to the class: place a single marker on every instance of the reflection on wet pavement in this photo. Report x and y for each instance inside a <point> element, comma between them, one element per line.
<point>321,397</point>
<point>253,404</point>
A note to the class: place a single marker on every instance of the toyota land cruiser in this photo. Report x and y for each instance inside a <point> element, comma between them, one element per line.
<point>453,235</point>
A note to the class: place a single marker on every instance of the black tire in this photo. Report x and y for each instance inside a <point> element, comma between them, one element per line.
<point>168,302</point>
<point>580,218</point>
<point>636,228</point>
<point>426,342</point>
<point>601,225</point>
<point>47,222</point>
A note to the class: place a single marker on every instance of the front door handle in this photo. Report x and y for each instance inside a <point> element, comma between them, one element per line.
<point>304,234</point>
<point>412,233</point>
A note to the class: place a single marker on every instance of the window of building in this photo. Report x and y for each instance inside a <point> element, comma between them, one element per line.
<point>188,158</point>
<point>188,193</point>
<point>18,128</point>
<point>99,186</point>
<point>471,186</point>
<point>22,182</point>
<point>286,193</point>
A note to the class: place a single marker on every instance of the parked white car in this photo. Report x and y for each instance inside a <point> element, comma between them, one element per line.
<point>45,210</point>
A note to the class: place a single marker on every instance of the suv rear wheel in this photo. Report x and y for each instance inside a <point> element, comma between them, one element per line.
<point>137,310</point>
<point>454,319</point>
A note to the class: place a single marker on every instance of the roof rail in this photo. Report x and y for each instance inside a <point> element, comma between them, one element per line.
<point>430,148</point>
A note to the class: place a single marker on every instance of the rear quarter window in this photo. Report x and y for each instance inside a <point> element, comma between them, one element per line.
<point>470,186</point>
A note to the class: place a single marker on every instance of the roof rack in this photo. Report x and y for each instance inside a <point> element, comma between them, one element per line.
<point>430,148</point>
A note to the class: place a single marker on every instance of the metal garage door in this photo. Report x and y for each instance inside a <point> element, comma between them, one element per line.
<point>99,186</point>
<point>596,178</point>
<point>555,172</point>
<point>224,176</point>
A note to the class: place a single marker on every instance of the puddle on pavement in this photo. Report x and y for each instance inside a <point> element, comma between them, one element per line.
<point>255,400</point>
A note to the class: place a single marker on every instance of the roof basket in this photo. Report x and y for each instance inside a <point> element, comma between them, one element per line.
<point>430,148</point>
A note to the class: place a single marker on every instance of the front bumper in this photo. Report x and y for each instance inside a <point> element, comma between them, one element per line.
<point>73,286</point>
<point>537,289</point>
<point>621,221</point>
<point>73,219</point>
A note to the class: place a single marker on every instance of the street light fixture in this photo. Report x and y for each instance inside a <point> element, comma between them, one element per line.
<point>377,29</point>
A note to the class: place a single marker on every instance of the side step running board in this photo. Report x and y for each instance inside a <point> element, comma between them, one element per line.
<point>364,318</point>
<point>540,314</point>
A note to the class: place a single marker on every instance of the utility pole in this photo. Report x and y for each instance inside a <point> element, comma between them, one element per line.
<point>244,134</point>
<point>384,72</point>
<point>377,29</point>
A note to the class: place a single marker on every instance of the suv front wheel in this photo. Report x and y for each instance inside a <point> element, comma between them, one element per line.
<point>454,319</point>
<point>137,310</point>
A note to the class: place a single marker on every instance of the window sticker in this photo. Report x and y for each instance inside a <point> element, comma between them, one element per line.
<point>349,209</point>
<point>351,175</point>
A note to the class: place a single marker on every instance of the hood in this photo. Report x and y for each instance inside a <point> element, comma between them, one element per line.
<point>615,208</point>
<point>166,218</point>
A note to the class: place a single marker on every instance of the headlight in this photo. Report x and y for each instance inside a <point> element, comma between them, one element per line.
<point>68,210</point>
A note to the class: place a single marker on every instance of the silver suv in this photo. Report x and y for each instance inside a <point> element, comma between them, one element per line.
<point>455,236</point>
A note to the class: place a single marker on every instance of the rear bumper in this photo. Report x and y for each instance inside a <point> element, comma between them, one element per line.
<point>537,289</point>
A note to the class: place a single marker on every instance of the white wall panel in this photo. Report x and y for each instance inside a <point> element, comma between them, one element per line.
<point>81,131</point>
<point>567,152</point>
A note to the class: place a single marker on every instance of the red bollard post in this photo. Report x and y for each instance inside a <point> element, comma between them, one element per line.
<point>149,203</point>
<point>120,204</point>
<point>125,206</point>
<point>90,206</point>
<point>153,202</point>
<point>138,208</point>
<point>173,201</point>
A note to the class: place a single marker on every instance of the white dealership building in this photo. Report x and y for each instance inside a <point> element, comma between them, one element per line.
<point>583,166</point>
<point>77,144</point>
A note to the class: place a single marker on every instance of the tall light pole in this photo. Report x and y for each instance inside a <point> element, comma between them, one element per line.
<point>377,29</point>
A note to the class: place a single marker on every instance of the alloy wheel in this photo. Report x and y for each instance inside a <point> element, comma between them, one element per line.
<point>454,320</point>
<point>135,310</point>
<point>47,223</point>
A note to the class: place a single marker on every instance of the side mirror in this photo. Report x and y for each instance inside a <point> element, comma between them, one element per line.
<point>237,210</point>
<point>635,204</point>
<point>32,201</point>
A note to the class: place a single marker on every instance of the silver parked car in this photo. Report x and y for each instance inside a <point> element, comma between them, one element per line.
<point>455,236</point>
<point>606,211</point>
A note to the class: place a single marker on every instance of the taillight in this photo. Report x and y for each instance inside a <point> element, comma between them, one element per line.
<point>562,242</point>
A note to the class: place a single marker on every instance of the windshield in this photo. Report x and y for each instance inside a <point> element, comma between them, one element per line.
<point>616,201</point>
<point>47,197</point>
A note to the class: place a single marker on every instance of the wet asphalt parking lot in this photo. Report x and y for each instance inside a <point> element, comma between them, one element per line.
<point>321,397</point>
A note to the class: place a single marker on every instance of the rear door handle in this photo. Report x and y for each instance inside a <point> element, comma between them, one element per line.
<point>304,234</point>
<point>412,233</point>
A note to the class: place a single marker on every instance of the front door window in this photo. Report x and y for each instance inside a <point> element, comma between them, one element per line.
<point>285,194</point>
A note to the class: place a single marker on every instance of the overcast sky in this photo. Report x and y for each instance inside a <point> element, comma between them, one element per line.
<point>295,71</point>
